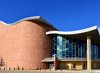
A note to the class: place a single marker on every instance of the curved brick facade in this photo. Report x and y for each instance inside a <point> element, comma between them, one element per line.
<point>25,44</point>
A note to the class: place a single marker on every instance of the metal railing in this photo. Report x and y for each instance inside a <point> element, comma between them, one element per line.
<point>95,59</point>
<point>71,59</point>
<point>80,59</point>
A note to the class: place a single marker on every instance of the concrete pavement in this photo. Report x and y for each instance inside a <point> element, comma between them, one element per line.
<point>48,71</point>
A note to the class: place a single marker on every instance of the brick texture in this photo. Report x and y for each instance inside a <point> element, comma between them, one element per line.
<point>56,63</point>
<point>25,44</point>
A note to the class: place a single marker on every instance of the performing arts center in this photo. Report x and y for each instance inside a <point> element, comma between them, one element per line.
<point>35,43</point>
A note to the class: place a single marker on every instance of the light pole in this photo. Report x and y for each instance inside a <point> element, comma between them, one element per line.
<point>6,65</point>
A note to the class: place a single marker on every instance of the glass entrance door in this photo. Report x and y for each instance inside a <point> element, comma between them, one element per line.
<point>51,65</point>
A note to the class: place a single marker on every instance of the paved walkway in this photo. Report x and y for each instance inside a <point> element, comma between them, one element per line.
<point>48,71</point>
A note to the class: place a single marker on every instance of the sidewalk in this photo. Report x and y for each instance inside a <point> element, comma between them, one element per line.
<point>52,71</point>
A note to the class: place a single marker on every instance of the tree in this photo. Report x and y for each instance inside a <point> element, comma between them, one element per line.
<point>1,63</point>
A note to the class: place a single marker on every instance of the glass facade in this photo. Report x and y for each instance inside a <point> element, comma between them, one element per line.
<point>65,47</point>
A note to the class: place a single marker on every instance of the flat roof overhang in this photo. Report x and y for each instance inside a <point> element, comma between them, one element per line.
<point>80,34</point>
<point>71,60</point>
<point>48,61</point>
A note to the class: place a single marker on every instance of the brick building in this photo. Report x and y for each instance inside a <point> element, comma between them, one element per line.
<point>34,42</point>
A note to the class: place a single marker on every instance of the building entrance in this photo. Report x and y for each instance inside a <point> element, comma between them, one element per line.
<point>51,65</point>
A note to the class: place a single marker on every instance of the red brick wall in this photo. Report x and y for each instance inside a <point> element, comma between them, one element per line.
<point>56,64</point>
<point>25,44</point>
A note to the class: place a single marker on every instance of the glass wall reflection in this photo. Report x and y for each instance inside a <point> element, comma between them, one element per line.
<point>73,48</point>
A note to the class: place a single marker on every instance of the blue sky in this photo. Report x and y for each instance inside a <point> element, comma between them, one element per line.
<point>66,15</point>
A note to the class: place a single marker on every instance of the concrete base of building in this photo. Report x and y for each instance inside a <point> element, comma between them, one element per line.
<point>77,65</point>
<point>73,65</point>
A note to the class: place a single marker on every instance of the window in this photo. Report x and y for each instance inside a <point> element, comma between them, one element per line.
<point>73,65</point>
<point>71,48</point>
<point>84,65</point>
<point>67,51</point>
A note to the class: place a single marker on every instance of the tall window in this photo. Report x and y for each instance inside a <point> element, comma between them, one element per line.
<point>65,47</point>
<point>84,66</point>
<point>73,65</point>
